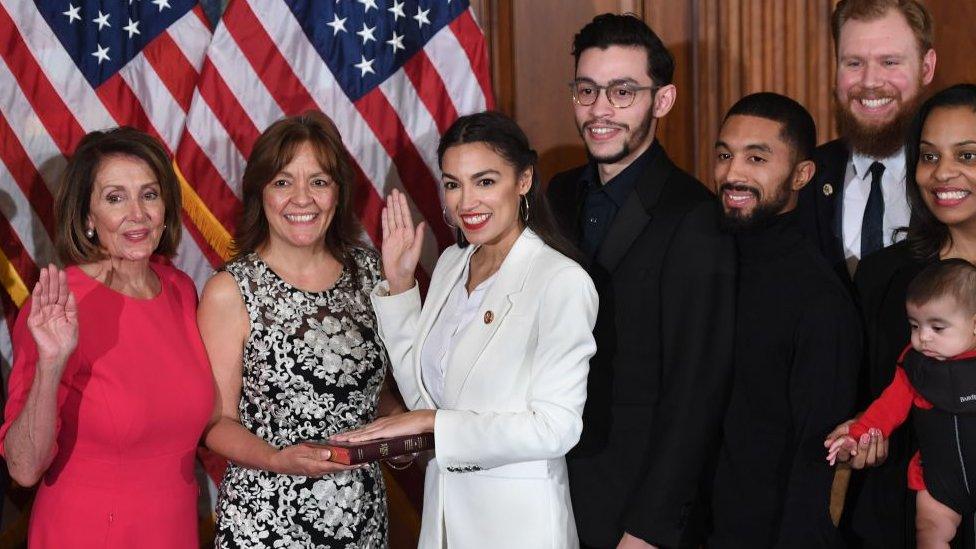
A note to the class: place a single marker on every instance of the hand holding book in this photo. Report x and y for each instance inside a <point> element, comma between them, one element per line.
<point>387,437</point>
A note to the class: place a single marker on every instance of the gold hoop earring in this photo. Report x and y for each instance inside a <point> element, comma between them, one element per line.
<point>447,220</point>
<point>525,211</point>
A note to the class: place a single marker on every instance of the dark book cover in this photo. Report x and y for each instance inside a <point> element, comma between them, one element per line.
<point>354,453</point>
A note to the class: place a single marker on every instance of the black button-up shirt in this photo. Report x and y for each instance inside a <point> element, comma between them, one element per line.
<point>602,202</point>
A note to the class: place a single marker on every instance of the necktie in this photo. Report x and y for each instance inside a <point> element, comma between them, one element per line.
<point>873,221</point>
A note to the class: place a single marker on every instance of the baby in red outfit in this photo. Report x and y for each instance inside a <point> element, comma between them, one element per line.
<point>941,305</point>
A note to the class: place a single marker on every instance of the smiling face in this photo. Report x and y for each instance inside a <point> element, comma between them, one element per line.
<point>300,202</point>
<point>941,328</point>
<point>126,210</point>
<point>880,74</point>
<point>617,136</point>
<point>946,171</point>
<point>755,171</point>
<point>482,192</point>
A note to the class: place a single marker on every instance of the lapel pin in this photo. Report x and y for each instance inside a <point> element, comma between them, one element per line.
<point>828,189</point>
<point>489,316</point>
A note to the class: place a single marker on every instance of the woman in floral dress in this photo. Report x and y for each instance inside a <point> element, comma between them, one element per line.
<point>293,345</point>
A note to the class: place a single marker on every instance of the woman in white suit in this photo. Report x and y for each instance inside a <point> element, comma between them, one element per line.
<point>495,361</point>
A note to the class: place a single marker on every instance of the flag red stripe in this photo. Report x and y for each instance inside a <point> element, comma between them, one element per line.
<point>9,313</point>
<point>121,102</point>
<point>14,249</point>
<point>472,41</point>
<point>292,96</point>
<point>369,206</point>
<point>198,11</point>
<point>20,166</point>
<point>263,54</point>
<point>414,174</point>
<point>227,109</point>
<point>208,251</point>
<point>208,183</point>
<point>431,89</point>
<point>47,104</point>
<point>173,68</point>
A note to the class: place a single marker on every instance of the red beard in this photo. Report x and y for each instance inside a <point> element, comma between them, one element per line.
<point>876,141</point>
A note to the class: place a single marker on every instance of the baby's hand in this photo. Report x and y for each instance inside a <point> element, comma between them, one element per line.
<point>843,446</point>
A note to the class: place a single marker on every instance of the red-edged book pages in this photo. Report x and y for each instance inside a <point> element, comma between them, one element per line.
<point>354,453</point>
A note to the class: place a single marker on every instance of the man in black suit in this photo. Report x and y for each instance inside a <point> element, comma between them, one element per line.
<point>666,277</point>
<point>856,202</point>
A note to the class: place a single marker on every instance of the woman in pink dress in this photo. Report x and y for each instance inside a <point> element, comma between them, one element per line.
<point>111,387</point>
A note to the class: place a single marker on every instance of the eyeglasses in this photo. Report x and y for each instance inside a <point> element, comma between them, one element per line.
<point>621,95</point>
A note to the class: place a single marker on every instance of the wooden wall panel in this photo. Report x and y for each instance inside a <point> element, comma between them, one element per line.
<point>531,43</point>
<point>723,49</point>
<point>745,46</point>
<point>955,41</point>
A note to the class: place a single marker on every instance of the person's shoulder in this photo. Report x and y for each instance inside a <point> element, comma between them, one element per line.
<point>884,263</point>
<point>681,189</point>
<point>172,274</point>
<point>550,259</point>
<point>832,151</point>
<point>365,257</point>
<point>551,269</point>
<point>820,281</point>
<point>570,175</point>
<point>221,290</point>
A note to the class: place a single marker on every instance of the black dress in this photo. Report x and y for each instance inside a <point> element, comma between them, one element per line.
<point>313,366</point>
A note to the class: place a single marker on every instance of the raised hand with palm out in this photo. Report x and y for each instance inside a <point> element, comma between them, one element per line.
<point>402,243</point>
<point>53,319</point>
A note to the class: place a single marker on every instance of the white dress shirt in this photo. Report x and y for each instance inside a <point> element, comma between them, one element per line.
<point>857,187</point>
<point>458,311</point>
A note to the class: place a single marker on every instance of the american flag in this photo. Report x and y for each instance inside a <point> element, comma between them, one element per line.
<point>392,74</point>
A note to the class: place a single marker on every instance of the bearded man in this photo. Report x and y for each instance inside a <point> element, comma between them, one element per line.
<point>665,274</point>
<point>797,338</point>
<point>856,204</point>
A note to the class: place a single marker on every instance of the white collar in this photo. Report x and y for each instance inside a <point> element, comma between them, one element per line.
<point>894,164</point>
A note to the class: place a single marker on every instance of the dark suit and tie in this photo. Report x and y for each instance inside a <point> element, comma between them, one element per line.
<point>658,384</point>
<point>822,203</point>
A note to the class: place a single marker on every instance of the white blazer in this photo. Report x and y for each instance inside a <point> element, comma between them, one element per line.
<point>513,398</point>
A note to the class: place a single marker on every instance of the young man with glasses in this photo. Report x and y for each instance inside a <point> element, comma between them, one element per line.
<point>665,274</point>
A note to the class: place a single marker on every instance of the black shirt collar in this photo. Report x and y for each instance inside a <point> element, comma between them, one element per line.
<point>619,188</point>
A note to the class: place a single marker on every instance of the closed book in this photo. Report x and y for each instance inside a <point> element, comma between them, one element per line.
<point>354,453</point>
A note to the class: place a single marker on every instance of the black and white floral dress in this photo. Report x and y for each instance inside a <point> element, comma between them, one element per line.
<point>313,366</point>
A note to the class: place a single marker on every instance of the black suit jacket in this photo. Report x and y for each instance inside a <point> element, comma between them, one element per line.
<point>659,381</point>
<point>820,205</point>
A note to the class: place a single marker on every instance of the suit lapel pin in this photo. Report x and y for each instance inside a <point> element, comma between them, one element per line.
<point>828,189</point>
<point>489,316</point>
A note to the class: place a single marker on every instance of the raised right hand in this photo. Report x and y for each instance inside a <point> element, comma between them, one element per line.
<point>402,243</point>
<point>53,318</point>
<point>306,460</point>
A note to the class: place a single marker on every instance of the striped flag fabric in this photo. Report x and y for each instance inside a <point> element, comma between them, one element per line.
<point>393,75</point>
<point>68,67</point>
